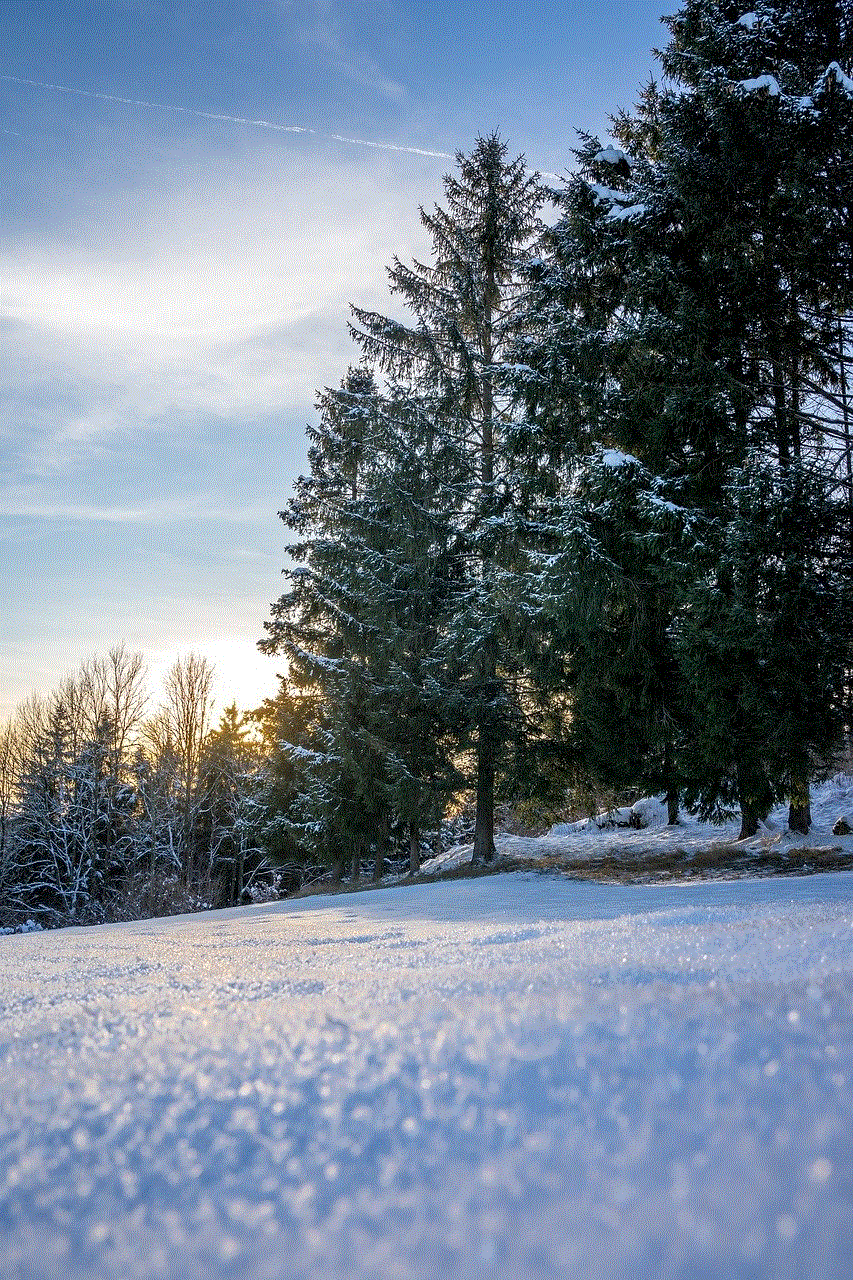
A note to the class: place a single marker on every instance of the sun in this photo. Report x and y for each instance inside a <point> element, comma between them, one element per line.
<point>242,674</point>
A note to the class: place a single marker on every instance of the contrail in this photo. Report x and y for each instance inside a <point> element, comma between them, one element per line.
<point>213,115</point>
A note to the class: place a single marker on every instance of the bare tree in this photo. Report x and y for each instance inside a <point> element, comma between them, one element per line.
<point>8,790</point>
<point>185,721</point>
<point>114,697</point>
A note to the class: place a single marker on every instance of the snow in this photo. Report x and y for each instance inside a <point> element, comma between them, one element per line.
<point>770,83</point>
<point>612,155</point>
<point>835,71</point>
<point>514,1076</point>
<point>640,831</point>
<point>663,505</point>
<point>630,211</point>
<point>606,195</point>
<point>615,458</point>
<point>28,926</point>
<point>747,20</point>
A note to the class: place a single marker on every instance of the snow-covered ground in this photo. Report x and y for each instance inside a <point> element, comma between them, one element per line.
<point>611,834</point>
<point>515,1076</point>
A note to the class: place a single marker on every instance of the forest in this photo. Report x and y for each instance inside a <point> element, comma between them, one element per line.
<point>577,522</point>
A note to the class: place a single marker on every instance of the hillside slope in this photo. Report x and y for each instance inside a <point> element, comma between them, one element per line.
<point>516,1076</point>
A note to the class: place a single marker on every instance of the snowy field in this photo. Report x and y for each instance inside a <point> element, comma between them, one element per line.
<point>516,1076</point>
<point>632,834</point>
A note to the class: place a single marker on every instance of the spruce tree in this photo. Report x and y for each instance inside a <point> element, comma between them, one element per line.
<point>684,312</point>
<point>771,106</point>
<point>316,624</point>
<point>449,357</point>
<point>363,625</point>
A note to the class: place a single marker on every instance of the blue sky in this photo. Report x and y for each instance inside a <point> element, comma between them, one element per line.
<point>176,287</point>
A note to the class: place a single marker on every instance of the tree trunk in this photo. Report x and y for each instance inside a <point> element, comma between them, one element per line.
<point>749,818</point>
<point>152,859</point>
<point>751,809</point>
<point>846,420</point>
<point>382,837</point>
<point>800,811</point>
<point>800,817</point>
<point>672,792</point>
<point>414,849</point>
<point>355,865</point>
<point>484,825</point>
<point>773,324</point>
<point>238,872</point>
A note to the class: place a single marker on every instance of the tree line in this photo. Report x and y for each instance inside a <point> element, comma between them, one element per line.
<point>587,510</point>
<point>111,810</point>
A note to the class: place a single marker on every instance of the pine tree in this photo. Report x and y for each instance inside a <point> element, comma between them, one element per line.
<point>56,832</point>
<point>622,392</point>
<point>286,724</point>
<point>227,777</point>
<point>316,624</point>
<point>410,571</point>
<point>774,107</point>
<point>684,308</point>
<point>450,357</point>
<point>361,624</point>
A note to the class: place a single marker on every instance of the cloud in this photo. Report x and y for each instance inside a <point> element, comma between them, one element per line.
<point>318,24</point>
<point>22,505</point>
<point>168,322</point>
<point>218,287</point>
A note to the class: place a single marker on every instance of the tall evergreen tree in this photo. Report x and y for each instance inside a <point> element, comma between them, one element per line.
<point>228,782</point>
<point>450,355</point>
<point>686,301</point>
<point>316,624</point>
<point>286,724</point>
<point>771,109</point>
<point>362,622</point>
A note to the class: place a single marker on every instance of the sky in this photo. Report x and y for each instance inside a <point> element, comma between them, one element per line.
<point>194,193</point>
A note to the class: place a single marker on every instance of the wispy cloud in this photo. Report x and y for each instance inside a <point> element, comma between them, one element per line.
<point>154,513</point>
<point>229,119</point>
<point>218,288</point>
<point>318,23</point>
<point>167,323</point>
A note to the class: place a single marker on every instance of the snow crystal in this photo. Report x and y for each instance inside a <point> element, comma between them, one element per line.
<point>504,1077</point>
